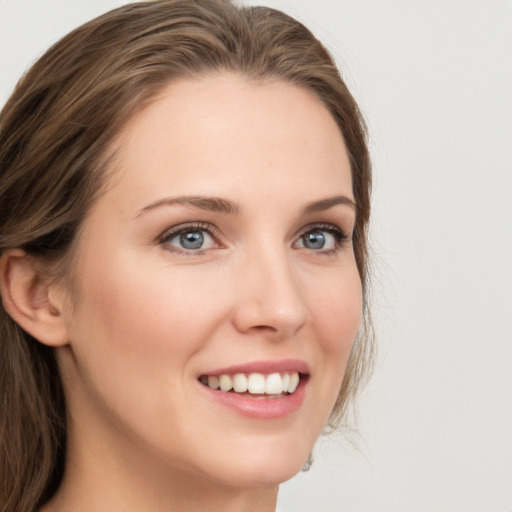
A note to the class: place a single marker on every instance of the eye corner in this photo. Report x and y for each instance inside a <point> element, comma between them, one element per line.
<point>332,238</point>
<point>203,237</point>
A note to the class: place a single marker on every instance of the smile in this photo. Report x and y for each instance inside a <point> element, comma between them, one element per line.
<point>262,390</point>
<point>258,385</point>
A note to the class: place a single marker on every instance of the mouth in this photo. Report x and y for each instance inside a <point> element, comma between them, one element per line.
<point>256,385</point>
<point>261,390</point>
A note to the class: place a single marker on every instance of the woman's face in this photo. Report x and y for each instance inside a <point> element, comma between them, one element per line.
<point>222,248</point>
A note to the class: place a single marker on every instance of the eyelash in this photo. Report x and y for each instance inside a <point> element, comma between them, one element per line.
<point>339,235</point>
<point>214,232</point>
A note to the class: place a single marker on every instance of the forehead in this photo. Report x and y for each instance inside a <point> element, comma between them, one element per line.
<point>223,132</point>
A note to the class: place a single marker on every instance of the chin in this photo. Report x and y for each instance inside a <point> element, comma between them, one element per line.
<point>261,467</point>
<point>270,475</point>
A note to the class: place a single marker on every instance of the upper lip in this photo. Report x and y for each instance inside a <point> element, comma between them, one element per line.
<point>265,367</point>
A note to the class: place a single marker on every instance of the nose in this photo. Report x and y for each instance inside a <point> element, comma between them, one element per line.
<point>270,298</point>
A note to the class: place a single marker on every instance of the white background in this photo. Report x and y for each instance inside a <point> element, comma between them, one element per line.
<point>434,79</point>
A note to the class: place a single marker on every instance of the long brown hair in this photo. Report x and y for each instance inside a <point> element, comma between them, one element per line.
<point>56,131</point>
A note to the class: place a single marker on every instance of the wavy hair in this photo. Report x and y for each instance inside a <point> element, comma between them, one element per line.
<point>56,132</point>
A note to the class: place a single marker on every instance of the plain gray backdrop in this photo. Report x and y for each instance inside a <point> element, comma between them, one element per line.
<point>434,80</point>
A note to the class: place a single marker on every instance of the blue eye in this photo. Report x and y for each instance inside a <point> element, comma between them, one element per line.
<point>321,238</point>
<point>314,240</point>
<point>189,239</point>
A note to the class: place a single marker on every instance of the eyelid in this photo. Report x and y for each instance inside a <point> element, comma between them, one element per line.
<point>335,230</point>
<point>324,226</point>
<point>170,233</point>
<point>341,237</point>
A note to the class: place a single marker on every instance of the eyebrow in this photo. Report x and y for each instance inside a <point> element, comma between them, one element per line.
<point>218,204</point>
<point>213,204</point>
<point>325,204</point>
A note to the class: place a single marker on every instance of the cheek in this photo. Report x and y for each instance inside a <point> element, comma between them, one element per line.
<point>133,335</point>
<point>336,317</point>
<point>337,311</point>
<point>142,321</point>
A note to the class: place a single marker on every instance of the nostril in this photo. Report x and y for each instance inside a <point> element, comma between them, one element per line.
<point>267,319</point>
<point>264,328</point>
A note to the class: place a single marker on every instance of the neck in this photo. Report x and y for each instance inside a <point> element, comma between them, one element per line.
<point>104,476</point>
<point>100,499</point>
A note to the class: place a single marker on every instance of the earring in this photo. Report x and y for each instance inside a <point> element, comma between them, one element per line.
<point>308,464</point>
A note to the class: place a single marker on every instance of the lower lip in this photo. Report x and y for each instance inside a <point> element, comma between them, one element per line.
<point>260,408</point>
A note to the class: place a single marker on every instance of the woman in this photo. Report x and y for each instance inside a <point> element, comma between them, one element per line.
<point>184,201</point>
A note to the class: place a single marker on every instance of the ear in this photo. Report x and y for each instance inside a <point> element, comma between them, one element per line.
<point>26,298</point>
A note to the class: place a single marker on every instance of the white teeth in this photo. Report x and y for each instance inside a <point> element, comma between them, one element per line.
<point>254,383</point>
<point>294,382</point>
<point>225,383</point>
<point>274,384</point>
<point>240,383</point>
<point>286,381</point>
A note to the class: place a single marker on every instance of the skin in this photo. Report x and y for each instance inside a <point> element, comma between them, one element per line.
<point>148,318</point>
